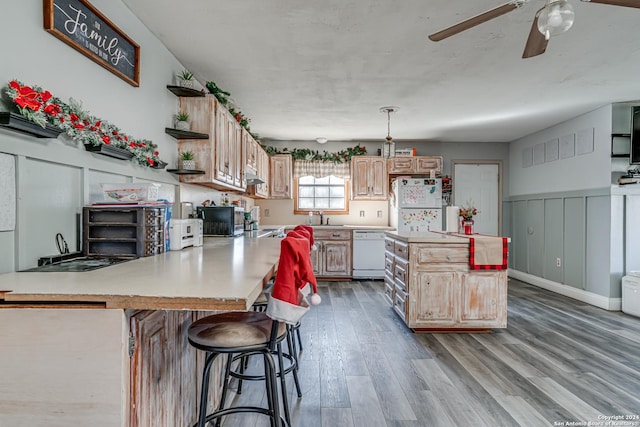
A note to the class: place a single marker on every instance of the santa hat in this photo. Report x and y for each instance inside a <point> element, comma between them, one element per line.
<point>288,299</point>
<point>309,230</point>
<point>311,285</point>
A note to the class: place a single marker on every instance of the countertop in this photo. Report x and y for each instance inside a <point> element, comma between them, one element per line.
<point>340,227</point>
<point>429,237</point>
<point>223,274</point>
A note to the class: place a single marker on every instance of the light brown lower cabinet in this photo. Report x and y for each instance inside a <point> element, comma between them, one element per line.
<point>332,258</point>
<point>431,287</point>
<point>166,370</point>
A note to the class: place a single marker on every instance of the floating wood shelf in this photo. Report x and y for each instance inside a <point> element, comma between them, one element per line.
<point>159,165</point>
<point>107,150</point>
<point>18,123</point>
<point>183,134</point>
<point>186,171</point>
<point>185,91</point>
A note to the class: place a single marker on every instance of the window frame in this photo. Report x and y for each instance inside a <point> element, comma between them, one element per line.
<point>345,211</point>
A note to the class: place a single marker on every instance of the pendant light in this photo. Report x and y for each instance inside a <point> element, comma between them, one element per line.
<point>388,147</point>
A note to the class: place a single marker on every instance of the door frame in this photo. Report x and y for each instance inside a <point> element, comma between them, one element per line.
<point>480,162</point>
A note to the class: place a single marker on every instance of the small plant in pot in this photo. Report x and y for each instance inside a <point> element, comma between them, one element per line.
<point>185,79</point>
<point>187,160</point>
<point>182,121</point>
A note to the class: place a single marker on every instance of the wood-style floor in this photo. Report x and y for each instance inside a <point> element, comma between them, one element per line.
<point>559,361</point>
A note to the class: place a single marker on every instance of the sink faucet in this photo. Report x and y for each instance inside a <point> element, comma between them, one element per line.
<point>321,217</point>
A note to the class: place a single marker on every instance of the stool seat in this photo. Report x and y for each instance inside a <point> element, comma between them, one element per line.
<point>233,330</point>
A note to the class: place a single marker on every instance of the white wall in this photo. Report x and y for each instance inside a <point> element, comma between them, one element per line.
<point>54,176</point>
<point>580,172</point>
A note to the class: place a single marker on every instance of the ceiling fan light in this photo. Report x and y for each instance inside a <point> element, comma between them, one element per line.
<point>556,18</point>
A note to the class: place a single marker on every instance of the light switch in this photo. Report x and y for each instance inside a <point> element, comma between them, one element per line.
<point>361,214</point>
<point>266,212</point>
<point>379,214</point>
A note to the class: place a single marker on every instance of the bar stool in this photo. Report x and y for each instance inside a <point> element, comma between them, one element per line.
<point>239,333</point>
<point>242,334</point>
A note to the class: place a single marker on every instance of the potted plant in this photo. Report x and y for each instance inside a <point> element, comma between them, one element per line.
<point>187,160</point>
<point>185,79</point>
<point>182,121</point>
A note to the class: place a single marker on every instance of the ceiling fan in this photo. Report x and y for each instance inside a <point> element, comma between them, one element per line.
<point>554,18</point>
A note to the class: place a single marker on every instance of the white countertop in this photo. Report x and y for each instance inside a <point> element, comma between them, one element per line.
<point>429,237</point>
<point>223,274</point>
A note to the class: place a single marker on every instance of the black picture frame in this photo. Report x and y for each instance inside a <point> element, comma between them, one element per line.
<point>80,25</point>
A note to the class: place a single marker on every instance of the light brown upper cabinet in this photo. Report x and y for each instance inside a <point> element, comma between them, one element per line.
<point>281,178</point>
<point>221,155</point>
<point>415,165</point>
<point>369,178</point>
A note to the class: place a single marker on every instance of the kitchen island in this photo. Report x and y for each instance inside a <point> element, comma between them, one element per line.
<point>430,284</point>
<point>108,347</point>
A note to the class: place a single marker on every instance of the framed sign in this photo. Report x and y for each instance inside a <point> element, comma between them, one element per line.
<point>84,28</point>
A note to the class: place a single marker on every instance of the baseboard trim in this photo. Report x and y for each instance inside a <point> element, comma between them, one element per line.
<point>611,304</point>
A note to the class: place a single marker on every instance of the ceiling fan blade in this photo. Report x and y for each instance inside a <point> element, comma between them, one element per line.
<point>627,3</point>
<point>537,42</point>
<point>476,20</point>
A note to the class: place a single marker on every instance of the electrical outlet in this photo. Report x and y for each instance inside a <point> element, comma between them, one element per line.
<point>379,214</point>
<point>558,263</point>
<point>361,214</point>
<point>266,212</point>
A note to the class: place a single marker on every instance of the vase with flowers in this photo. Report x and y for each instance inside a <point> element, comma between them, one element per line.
<point>467,213</point>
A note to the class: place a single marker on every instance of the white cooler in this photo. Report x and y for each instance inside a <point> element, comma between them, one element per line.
<point>631,293</point>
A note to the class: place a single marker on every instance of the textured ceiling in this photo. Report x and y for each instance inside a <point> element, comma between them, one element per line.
<point>302,69</point>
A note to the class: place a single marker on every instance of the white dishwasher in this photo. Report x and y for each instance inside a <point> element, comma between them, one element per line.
<point>368,254</point>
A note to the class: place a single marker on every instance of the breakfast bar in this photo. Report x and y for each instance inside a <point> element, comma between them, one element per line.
<point>107,347</point>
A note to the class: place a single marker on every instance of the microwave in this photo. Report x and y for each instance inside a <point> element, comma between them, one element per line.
<point>221,220</point>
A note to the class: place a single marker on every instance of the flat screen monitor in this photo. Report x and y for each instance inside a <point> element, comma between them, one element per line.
<point>634,155</point>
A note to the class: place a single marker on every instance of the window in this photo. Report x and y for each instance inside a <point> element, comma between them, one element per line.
<point>328,194</point>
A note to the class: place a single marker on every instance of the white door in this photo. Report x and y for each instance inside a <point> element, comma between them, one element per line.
<point>479,184</point>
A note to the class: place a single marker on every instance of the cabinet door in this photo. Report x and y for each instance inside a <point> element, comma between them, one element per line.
<point>432,300</point>
<point>250,153</point>
<point>379,180</point>
<point>151,376</point>
<point>281,176</point>
<point>337,258</point>
<point>426,164</point>
<point>317,259</point>
<point>483,298</point>
<point>238,160</point>
<point>221,161</point>
<point>361,187</point>
<point>400,165</point>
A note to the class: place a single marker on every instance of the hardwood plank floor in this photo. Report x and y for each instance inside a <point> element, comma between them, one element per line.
<point>559,361</point>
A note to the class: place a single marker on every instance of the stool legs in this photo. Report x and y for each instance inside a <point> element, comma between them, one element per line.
<point>273,410</point>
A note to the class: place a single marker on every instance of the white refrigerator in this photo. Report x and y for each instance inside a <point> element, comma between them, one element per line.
<point>416,204</point>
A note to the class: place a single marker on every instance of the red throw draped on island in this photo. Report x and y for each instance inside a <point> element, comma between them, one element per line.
<point>488,253</point>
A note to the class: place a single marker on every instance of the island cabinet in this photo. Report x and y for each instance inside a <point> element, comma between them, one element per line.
<point>332,258</point>
<point>430,286</point>
<point>415,165</point>
<point>369,178</point>
<point>221,155</point>
<point>281,166</point>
